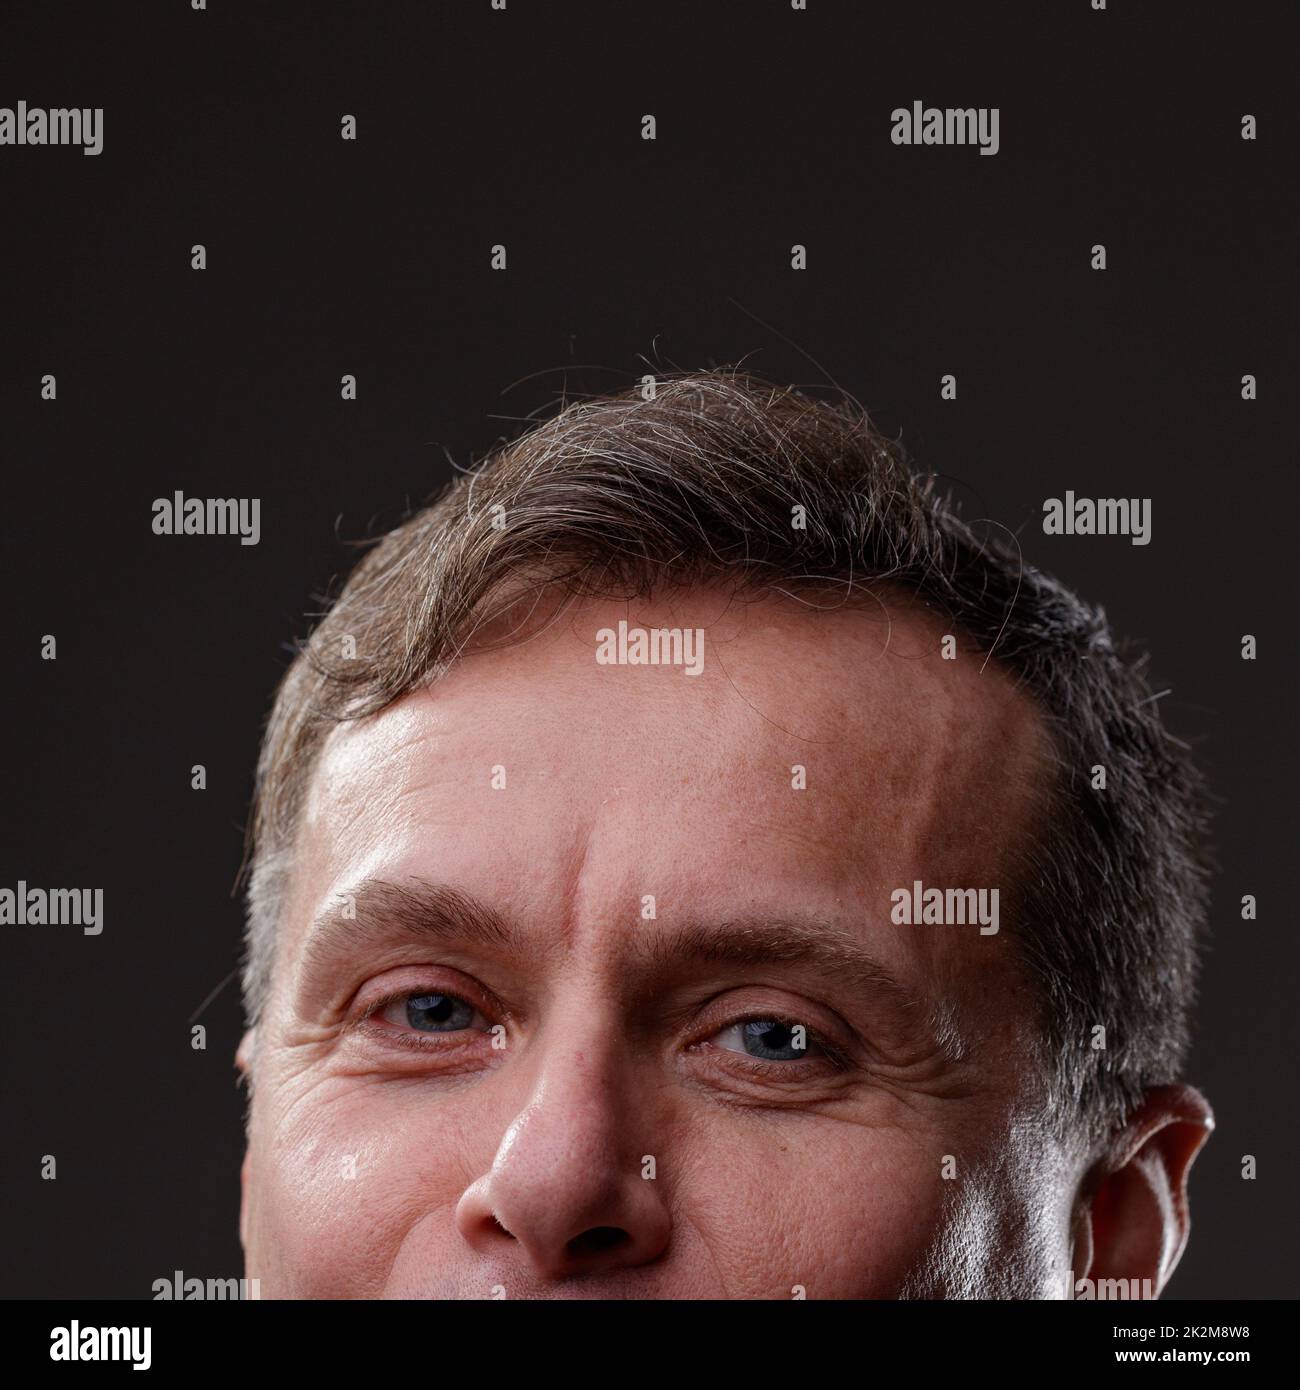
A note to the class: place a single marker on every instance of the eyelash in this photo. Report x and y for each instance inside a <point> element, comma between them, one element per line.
<point>401,996</point>
<point>830,1053</point>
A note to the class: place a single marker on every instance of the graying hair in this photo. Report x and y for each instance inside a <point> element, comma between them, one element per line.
<point>627,494</point>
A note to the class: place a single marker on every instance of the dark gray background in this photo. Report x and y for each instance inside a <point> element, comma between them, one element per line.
<point>328,257</point>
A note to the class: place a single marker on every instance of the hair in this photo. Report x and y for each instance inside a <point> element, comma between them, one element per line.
<point>698,481</point>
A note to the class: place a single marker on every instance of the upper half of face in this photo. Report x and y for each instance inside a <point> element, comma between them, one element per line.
<point>678,869</point>
<point>819,762</point>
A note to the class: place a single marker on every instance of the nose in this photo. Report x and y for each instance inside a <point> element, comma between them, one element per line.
<point>569,1188</point>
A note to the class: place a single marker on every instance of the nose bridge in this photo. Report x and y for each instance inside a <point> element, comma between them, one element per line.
<point>566,1182</point>
<point>574,1109</point>
<point>578,1064</point>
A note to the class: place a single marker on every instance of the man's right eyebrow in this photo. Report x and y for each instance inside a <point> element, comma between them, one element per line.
<point>379,915</point>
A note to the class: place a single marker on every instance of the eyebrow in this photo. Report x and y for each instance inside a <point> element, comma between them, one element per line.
<point>380,914</point>
<point>781,941</point>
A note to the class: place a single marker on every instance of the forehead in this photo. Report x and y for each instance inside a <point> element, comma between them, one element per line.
<point>823,756</point>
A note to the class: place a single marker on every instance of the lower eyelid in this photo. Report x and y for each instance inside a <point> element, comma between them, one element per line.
<point>414,1040</point>
<point>793,1081</point>
<point>819,1053</point>
<point>478,1024</point>
<point>378,1007</point>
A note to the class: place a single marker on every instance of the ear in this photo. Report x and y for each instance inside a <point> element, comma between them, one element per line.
<point>244,1065</point>
<point>244,1055</point>
<point>1135,1223</point>
<point>245,1169</point>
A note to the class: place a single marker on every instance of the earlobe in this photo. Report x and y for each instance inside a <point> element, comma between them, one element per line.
<point>244,1170</point>
<point>1135,1225</point>
<point>244,1065</point>
<point>1081,1244</point>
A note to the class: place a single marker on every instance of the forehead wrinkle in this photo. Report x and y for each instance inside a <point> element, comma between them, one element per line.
<point>370,768</point>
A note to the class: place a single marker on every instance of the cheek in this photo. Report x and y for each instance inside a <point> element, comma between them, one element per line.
<point>842,1211</point>
<point>339,1180</point>
<point>354,1185</point>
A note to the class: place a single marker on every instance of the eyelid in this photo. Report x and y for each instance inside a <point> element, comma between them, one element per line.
<point>404,996</point>
<point>830,1051</point>
<point>761,999</point>
<point>422,979</point>
<point>455,1048</point>
<point>415,979</point>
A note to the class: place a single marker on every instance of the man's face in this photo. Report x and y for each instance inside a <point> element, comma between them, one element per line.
<point>589,983</point>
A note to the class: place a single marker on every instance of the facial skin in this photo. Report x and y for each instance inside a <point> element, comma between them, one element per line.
<point>632,1138</point>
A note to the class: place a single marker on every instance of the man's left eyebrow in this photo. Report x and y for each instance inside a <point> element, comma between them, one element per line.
<point>767,941</point>
<point>829,951</point>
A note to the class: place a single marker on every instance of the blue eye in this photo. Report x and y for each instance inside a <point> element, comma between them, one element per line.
<point>767,1039</point>
<point>438,1013</point>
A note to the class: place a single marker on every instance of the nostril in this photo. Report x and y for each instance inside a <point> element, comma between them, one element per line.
<point>597,1240</point>
<point>508,1234</point>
